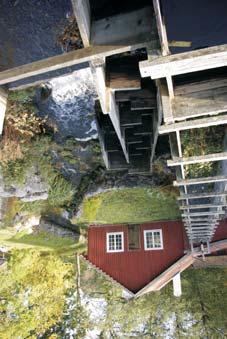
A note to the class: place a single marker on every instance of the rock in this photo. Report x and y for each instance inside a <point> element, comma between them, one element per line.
<point>57,230</point>
<point>27,224</point>
<point>33,189</point>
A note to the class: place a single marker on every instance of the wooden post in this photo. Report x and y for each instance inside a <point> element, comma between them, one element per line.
<point>161,28</point>
<point>3,104</point>
<point>98,71</point>
<point>177,291</point>
<point>82,13</point>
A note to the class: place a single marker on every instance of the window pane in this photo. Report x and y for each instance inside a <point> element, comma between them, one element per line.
<point>111,242</point>
<point>118,242</point>
<point>149,240</point>
<point>157,239</point>
<point>115,242</point>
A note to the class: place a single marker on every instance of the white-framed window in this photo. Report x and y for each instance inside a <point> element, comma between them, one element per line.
<point>153,240</point>
<point>115,242</point>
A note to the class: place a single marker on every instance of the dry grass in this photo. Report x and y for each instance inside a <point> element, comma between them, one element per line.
<point>21,125</point>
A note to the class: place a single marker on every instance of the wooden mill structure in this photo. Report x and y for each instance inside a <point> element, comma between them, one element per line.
<point>135,76</point>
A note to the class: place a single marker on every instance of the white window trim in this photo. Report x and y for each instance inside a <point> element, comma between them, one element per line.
<point>145,240</point>
<point>107,242</point>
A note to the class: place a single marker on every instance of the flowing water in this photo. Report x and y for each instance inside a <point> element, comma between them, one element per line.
<point>71,105</point>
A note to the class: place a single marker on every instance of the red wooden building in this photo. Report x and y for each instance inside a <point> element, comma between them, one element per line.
<point>145,257</point>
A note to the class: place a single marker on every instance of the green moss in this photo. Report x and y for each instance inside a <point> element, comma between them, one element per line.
<point>130,205</point>
<point>22,96</point>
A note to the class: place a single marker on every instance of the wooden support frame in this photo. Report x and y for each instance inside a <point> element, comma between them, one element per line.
<point>192,228</point>
<point>193,61</point>
<point>161,28</point>
<point>202,195</point>
<point>204,219</point>
<point>82,12</point>
<point>207,180</point>
<point>197,159</point>
<point>192,124</point>
<point>198,214</point>
<point>191,207</point>
<point>79,56</point>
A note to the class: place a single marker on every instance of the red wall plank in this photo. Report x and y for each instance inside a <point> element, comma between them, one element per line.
<point>221,231</point>
<point>135,269</point>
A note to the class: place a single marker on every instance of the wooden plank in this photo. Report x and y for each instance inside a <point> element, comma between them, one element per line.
<point>212,261</point>
<point>196,232</point>
<point>200,227</point>
<point>218,245</point>
<point>114,116</point>
<point>124,81</point>
<point>192,124</point>
<point>127,28</point>
<point>200,214</point>
<point>197,181</point>
<point>143,94</point>
<point>209,102</point>
<point>165,102</point>
<point>183,207</point>
<point>143,104</point>
<point>161,28</point>
<point>202,195</point>
<point>177,161</point>
<point>200,86</point>
<point>3,104</point>
<point>188,220</point>
<point>169,81</point>
<point>187,62</point>
<point>82,12</point>
<point>61,61</point>
<point>98,72</point>
<point>157,120</point>
<point>165,277</point>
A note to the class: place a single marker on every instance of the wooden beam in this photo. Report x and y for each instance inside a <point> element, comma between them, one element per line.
<point>82,12</point>
<point>199,214</point>
<point>204,219</point>
<point>177,161</point>
<point>187,62</point>
<point>192,227</point>
<point>165,102</point>
<point>161,28</point>
<point>202,195</point>
<point>194,232</point>
<point>169,81</point>
<point>183,207</point>
<point>197,181</point>
<point>99,76</point>
<point>191,124</point>
<point>61,61</point>
<point>165,277</point>
<point>218,245</point>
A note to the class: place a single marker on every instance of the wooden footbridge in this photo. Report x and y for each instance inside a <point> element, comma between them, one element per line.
<point>137,81</point>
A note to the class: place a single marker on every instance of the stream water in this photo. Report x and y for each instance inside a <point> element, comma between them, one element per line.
<point>71,105</point>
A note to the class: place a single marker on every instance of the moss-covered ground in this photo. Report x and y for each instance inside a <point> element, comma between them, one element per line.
<point>42,241</point>
<point>130,205</point>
